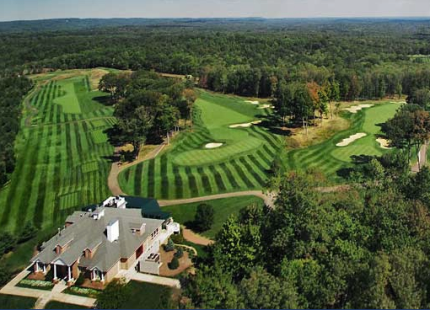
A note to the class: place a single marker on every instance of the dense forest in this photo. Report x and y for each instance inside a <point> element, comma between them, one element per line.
<point>12,91</point>
<point>147,106</point>
<point>369,59</point>
<point>367,248</point>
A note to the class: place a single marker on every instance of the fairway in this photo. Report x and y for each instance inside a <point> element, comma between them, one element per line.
<point>61,153</point>
<point>188,169</point>
<point>330,158</point>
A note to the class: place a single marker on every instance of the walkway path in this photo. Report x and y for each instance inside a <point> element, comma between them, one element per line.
<point>43,296</point>
<point>423,158</point>
<point>191,236</point>
<point>132,274</point>
<point>268,199</point>
<point>115,170</point>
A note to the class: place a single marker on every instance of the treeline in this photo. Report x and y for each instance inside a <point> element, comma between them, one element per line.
<point>368,60</point>
<point>12,90</point>
<point>147,106</point>
<point>367,248</point>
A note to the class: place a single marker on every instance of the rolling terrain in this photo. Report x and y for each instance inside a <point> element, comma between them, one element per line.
<point>61,151</point>
<point>188,169</point>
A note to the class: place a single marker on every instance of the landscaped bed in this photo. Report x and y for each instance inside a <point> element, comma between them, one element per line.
<point>37,284</point>
<point>82,291</point>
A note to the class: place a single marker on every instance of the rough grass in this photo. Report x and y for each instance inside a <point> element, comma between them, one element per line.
<point>329,158</point>
<point>16,302</point>
<point>61,165</point>
<point>223,208</point>
<point>187,169</point>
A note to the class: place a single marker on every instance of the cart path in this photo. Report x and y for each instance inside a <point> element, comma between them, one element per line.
<point>422,156</point>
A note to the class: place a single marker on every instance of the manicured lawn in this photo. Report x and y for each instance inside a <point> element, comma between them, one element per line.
<point>59,305</point>
<point>61,158</point>
<point>188,169</point>
<point>147,296</point>
<point>330,158</point>
<point>223,209</point>
<point>16,302</point>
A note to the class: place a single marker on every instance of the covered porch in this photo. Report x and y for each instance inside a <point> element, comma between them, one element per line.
<point>62,271</point>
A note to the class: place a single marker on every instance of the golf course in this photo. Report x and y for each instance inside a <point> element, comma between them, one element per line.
<point>227,150</point>
<point>339,151</point>
<point>61,150</point>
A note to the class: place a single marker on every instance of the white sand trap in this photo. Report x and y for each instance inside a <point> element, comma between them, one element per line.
<point>252,102</point>
<point>266,106</point>
<point>245,125</point>
<point>354,109</point>
<point>213,145</point>
<point>383,143</point>
<point>351,139</point>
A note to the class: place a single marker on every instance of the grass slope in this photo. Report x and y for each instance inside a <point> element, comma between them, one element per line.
<point>329,158</point>
<point>61,156</point>
<point>147,296</point>
<point>187,169</point>
<point>16,302</point>
<point>223,209</point>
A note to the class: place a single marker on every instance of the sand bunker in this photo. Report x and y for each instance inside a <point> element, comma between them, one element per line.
<point>213,145</point>
<point>351,139</point>
<point>356,108</point>
<point>245,125</point>
<point>252,102</point>
<point>383,143</point>
<point>266,106</point>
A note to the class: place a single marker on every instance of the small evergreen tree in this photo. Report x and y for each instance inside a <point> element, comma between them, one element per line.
<point>170,246</point>
<point>174,264</point>
<point>204,217</point>
<point>179,253</point>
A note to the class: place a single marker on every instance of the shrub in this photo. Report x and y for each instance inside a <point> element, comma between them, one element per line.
<point>169,246</point>
<point>29,232</point>
<point>178,238</point>
<point>80,280</point>
<point>174,264</point>
<point>179,253</point>
<point>204,217</point>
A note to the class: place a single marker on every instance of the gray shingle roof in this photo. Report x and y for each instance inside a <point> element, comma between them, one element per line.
<point>88,233</point>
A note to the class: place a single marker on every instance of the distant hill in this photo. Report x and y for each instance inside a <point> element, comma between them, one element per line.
<point>71,24</point>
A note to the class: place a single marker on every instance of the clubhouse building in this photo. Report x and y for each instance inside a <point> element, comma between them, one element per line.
<point>99,242</point>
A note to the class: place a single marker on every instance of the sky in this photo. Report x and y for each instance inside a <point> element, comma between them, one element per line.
<point>46,9</point>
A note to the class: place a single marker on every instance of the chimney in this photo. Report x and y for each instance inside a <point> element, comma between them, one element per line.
<point>112,230</point>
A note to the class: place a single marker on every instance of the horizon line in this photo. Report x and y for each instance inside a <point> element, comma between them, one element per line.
<point>217,17</point>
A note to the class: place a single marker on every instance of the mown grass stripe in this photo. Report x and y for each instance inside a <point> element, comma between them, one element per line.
<point>230,176</point>
<point>218,178</point>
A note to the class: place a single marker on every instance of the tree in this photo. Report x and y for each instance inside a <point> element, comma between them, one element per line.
<point>263,291</point>
<point>204,217</point>
<point>169,246</point>
<point>174,264</point>
<point>420,97</point>
<point>190,97</point>
<point>409,127</point>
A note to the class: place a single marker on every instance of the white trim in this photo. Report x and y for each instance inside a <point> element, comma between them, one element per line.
<point>59,261</point>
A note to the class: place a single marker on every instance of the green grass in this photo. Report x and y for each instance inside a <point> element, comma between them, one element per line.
<point>68,101</point>
<point>329,158</point>
<point>147,296</point>
<point>59,305</point>
<point>188,169</point>
<point>61,164</point>
<point>16,302</point>
<point>223,209</point>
